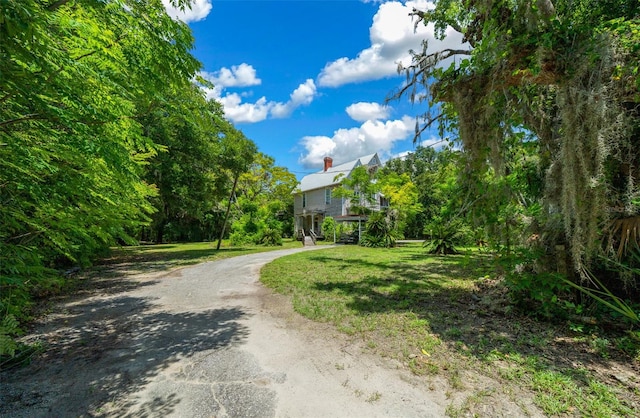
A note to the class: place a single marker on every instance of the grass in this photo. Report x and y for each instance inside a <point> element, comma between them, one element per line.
<point>445,317</point>
<point>146,258</point>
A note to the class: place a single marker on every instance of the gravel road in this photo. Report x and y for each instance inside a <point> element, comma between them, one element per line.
<point>203,341</point>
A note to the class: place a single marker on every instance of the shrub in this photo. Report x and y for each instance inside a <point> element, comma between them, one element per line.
<point>270,236</point>
<point>444,236</point>
<point>380,231</point>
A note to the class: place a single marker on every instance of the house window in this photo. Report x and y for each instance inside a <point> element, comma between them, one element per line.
<point>304,200</point>
<point>327,196</point>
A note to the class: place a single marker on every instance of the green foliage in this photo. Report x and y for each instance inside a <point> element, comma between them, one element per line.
<point>603,295</point>
<point>82,83</point>
<point>270,236</point>
<point>330,228</point>
<point>263,211</point>
<point>256,224</point>
<point>444,236</point>
<point>561,76</point>
<point>9,328</point>
<point>380,230</point>
<point>359,188</point>
<point>402,195</point>
<point>187,171</point>
<point>433,187</point>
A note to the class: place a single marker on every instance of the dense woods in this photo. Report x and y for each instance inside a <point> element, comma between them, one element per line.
<point>543,102</point>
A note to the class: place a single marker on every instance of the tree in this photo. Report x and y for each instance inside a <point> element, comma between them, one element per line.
<point>77,76</point>
<point>402,194</point>
<point>264,203</point>
<point>565,71</point>
<point>237,155</point>
<point>185,171</point>
<point>381,229</point>
<point>359,188</point>
<point>436,176</point>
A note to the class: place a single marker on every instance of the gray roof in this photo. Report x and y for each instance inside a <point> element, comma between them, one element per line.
<point>328,178</point>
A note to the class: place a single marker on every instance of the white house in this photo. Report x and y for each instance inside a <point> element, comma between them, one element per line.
<point>313,200</point>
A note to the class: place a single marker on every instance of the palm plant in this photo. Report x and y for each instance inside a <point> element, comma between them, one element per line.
<point>443,236</point>
<point>380,230</point>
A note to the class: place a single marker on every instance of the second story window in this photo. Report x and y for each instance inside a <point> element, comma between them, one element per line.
<point>304,200</point>
<point>327,196</point>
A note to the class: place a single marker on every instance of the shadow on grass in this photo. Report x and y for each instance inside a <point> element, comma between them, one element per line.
<point>100,351</point>
<point>155,258</point>
<point>162,257</point>
<point>160,253</point>
<point>467,311</point>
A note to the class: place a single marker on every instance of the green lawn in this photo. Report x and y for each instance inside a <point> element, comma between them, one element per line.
<point>165,256</point>
<point>446,317</point>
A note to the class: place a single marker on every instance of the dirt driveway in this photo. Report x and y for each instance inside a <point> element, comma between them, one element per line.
<point>202,341</point>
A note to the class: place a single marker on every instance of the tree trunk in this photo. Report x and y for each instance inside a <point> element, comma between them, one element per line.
<point>160,231</point>
<point>226,215</point>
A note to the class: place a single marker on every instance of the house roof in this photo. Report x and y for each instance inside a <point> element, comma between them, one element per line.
<point>327,178</point>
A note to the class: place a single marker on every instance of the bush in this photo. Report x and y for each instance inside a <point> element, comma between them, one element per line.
<point>330,228</point>
<point>380,231</point>
<point>444,236</point>
<point>270,236</point>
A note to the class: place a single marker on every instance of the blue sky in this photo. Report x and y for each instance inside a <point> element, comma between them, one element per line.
<point>308,79</point>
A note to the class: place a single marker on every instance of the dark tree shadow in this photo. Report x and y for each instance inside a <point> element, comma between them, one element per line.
<point>477,320</point>
<point>96,352</point>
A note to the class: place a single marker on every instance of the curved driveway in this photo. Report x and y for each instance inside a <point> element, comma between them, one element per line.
<point>204,341</point>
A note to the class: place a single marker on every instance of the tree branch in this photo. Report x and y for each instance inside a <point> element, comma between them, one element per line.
<point>54,6</point>
<point>32,116</point>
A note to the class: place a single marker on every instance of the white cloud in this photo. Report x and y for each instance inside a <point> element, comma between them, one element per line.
<point>434,141</point>
<point>243,75</point>
<point>401,155</point>
<point>349,144</point>
<point>260,110</point>
<point>198,10</point>
<point>364,111</point>
<point>392,35</point>
<point>301,96</point>
<point>244,112</point>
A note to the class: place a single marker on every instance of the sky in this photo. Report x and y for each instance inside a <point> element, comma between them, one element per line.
<point>308,79</point>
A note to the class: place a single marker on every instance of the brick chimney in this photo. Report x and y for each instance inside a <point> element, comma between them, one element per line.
<point>328,163</point>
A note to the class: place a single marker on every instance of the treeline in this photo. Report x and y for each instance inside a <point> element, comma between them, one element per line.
<point>107,138</point>
<point>542,103</point>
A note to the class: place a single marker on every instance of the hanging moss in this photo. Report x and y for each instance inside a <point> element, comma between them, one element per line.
<point>568,74</point>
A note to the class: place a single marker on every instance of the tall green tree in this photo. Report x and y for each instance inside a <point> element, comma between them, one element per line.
<point>76,77</point>
<point>436,176</point>
<point>188,170</point>
<point>237,155</point>
<point>566,71</point>
<point>264,206</point>
<point>402,195</point>
<point>359,188</point>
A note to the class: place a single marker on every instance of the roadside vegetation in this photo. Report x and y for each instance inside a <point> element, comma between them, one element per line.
<point>452,320</point>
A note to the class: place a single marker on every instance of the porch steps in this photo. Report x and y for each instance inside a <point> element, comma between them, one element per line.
<point>308,241</point>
